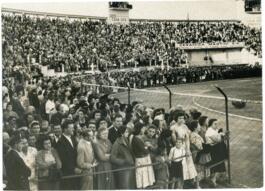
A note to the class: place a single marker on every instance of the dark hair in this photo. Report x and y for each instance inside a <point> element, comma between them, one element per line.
<point>122,130</point>
<point>196,115</point>
<point>117,116</point>
<point>66,123</point>
<point>156,123</point>
<point>202,120</point>
<point>43,139</point>
<point>211,121</point>
<point>178,114</point>
<point>193,125</point>
<point>18,136</point>
<point>137,128</point>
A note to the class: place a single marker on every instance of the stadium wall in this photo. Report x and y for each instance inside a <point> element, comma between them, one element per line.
<point>218,56</point>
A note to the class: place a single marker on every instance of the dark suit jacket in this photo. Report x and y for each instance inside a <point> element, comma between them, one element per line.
<point>17,172</point>
<point>67,154</point>
<point>113,135</point>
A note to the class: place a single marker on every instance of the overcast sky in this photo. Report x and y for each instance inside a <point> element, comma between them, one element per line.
<point>196,9</point>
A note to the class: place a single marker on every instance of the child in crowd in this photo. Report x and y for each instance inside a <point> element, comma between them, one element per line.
<point>178,163</point>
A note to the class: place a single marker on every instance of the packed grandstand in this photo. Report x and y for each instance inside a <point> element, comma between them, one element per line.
<point>60,130</point>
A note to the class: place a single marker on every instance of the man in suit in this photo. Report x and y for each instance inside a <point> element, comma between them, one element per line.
<point>113,131</point>
<point>17,171</point>
<point>66,148</point>
<point>86,159</point>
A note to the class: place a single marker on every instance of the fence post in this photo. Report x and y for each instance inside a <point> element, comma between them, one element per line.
<point>170,95</point>
<point>129,93</point>
<point>227,129</point>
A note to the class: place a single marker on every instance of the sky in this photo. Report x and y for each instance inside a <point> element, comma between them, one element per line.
<point>194,9</point>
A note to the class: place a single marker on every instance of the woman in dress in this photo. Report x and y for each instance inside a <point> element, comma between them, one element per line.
<point>196,142</point>
<point>102,149</point>
<point>215,137</point>
<point>180,130</point>
<point>145,175</point>
<point>48,160</point>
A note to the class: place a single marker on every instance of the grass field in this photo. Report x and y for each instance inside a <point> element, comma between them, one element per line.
<point>245,124</point>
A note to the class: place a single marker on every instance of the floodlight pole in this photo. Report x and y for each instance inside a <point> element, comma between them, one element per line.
<point>227,129</point>
<point>170,95</point>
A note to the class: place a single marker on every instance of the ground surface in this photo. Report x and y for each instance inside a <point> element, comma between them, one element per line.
<point>245,124</point>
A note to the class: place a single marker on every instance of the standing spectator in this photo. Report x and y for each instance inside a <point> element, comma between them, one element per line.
<point>66,148</point>
<point>196,142</point>
<point>121,156</point>
<point>161,169</point>
<point>145,175</point>
<point>215,138</point>
<point>18,178</point>
<point>113,131</point>
<point>48,163</point>
<point>103,147</point>
<point>178,163</point>
<point>180,130</point>
<point>86,160</point>
<point>29,156</point>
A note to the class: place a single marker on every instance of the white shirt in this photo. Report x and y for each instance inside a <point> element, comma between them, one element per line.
<point>69,139</point>
<point>212,136</point>
<point>49,106</point>
<point>176,153</point>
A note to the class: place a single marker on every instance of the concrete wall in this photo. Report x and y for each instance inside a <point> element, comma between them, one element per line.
<point>219,56</point>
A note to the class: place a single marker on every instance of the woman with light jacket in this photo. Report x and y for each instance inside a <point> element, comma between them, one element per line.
<point>48,166</point>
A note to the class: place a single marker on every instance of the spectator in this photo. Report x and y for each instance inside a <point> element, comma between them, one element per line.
<point>145,175</point>
<point>121,156</point>
<point>86,160</point>
<point>114,130</point>
<point>49,165</point>
<point>214,137</point>
<point>178,164</point>
<point>161,169</point>
<point>103,148</point>
<point>66,148</point>
<point>17,179</point>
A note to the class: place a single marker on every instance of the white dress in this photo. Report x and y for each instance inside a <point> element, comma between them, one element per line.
<point>184,133</point>
<point>30,161</point>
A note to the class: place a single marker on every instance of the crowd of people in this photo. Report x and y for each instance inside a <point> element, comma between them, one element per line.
<point>156,76</point>
<point>81,44</point>
<point>53,129</point>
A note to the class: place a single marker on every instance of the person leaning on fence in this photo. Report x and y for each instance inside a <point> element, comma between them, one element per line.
<point>102,148</point>
<point>178,163</point>
<point>144,175</point>
<point>196,145</point>
<point>86,160</point>
<point>161,167</point>
<point>49,165</point>
<point>122,157</point>
<point>180,130</point>
<point>215,137</point>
